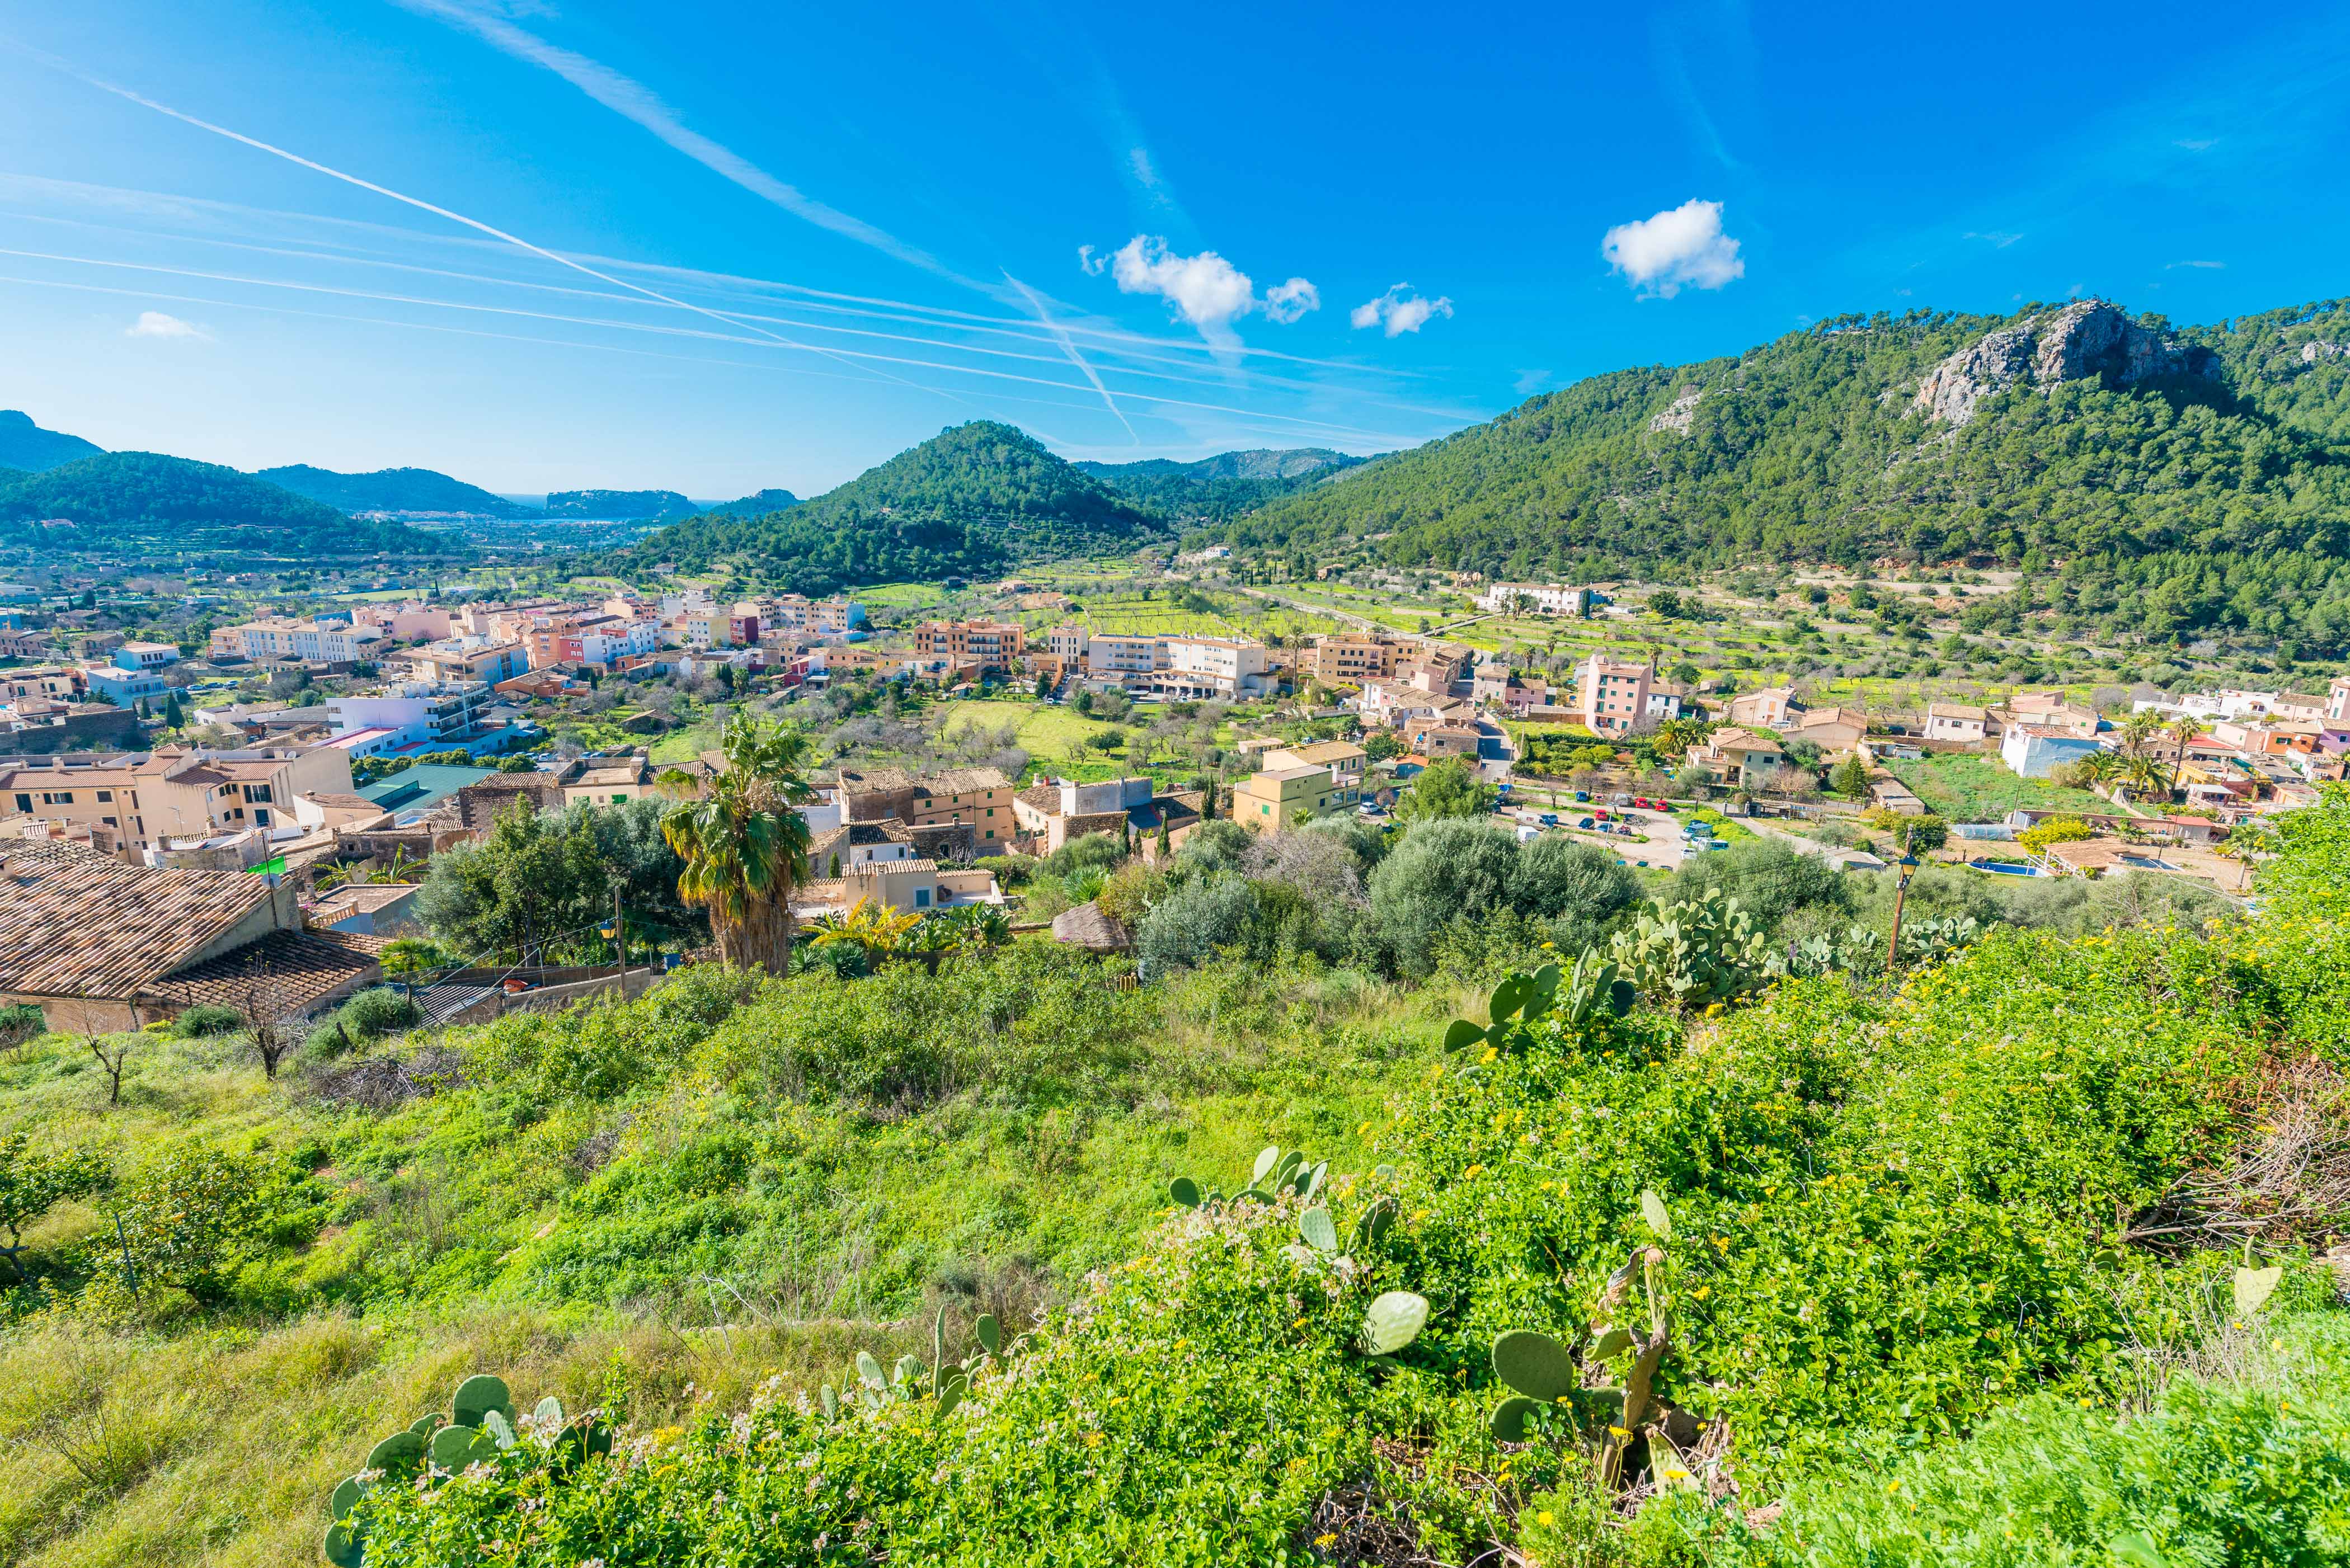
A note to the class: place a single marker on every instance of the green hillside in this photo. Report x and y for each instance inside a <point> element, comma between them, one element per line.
<point>26,445</point>
<point>967,501</point>
<point>393,490</point>
<point>126,498</point>
<point>2215,494</point>
<point>2014,1256</point>
<point>1223,486</point>
<point>759,504</point>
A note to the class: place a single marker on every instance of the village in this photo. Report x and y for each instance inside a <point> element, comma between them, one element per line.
<point>290,836</point>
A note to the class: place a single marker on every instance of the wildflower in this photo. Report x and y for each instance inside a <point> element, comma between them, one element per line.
<point>1544,1519</point>
<point>1325,1540</point>
<point>1472,1171</point>
<point>1491,1051</point>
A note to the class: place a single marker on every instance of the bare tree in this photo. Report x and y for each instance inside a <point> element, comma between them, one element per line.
<point>268,1005</point>
<point>113,1054</point>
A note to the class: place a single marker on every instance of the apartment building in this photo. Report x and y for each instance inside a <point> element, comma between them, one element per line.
<point>825,618</point>
<point>461,660</point>
<point>989,644</point>
<point>422,715</point>
<point>1612,693</point>
<point>137,801</point>
<point>326,642</point>
<point>123,687</point>
<point>979,798</point>
<point>599,640</point>
<point>1069,642</point>
<point>1122,656</point>
<point>57,682</point>
<point>1353,659</point>
<point>1213,667</point>
<point>1344,761</point>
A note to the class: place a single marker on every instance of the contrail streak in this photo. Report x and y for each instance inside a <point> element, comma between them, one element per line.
<point>633,101</point>
<point>854,357</point>
<point>439,212</point>
<point>1071,351</point>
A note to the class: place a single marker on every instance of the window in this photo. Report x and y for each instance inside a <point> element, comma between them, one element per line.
<point>105,795</point>
<point>921,897</point>
<point>57,798</point>
<point>24,804</point>
<point>108,821</point>
<point>260,818</point>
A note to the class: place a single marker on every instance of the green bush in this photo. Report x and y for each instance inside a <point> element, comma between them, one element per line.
<point>378,1012</point>
<point>206,1020</point>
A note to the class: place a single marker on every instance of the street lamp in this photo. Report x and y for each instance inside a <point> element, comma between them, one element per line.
<point>1902,870</point>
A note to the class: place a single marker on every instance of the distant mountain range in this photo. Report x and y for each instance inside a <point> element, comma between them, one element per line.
<point>25,446</point>
<point>394,490</point>
<point>1224,485</point>
<point>124,500</point>
<point>618,505</point>
<point>963,503</point>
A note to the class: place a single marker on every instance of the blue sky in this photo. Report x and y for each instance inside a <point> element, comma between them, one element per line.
<point>717,247</point>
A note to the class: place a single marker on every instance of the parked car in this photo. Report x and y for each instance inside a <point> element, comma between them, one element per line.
<point>1549,819</point>
<point>1622,799</point>
<point>1582,797</point>
<point>1585,823</point>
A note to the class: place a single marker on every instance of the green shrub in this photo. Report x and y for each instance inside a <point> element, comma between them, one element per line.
<point>206,1020</point>
<point>378,1012</point>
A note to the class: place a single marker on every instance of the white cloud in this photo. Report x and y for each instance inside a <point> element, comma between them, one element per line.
<point>1089,264</point>
<point>1529,382</point>
<point>1205,289</point>
<point>1290,301</point>
<point>155,323</point>
<point>2205,266</point>
<point>2001,238</point>
<point>1680,247</point>
<point>1399,310</point>
<point>2198,143</point>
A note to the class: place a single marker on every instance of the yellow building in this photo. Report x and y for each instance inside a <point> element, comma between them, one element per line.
<point>1270,802</point>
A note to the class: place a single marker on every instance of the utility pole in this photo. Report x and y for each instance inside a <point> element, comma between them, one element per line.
<point>1905,868</point>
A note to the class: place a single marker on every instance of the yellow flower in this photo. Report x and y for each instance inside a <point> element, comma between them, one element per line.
<point>1702,1292</point>
<point>1325,1539</point>
<point>1491,1051</point>
<point>1473,1170</point>
<point>1093,1439</point>
<point>1544,1519</point>
<point>1618,1432</point>
<point>1893,1486</point>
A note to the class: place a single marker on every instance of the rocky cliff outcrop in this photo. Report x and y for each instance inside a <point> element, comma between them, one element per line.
<point>2088,338</point>
<point>1678,414</point>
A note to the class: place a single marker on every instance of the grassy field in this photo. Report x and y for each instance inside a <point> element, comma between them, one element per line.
<point>1044,730</point>
<point>1980,789</point>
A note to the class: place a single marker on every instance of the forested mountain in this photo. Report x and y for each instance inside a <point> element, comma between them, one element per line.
<point>758,503</point>
<point>1223,485</point>
<point>966,501</point>
<point>618,505</point>
<point>26,445</point>
<point>2180,480</point>
<point>123,498</point>
<point>393,490</point>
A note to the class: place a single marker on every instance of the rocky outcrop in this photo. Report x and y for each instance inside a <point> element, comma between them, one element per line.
<point>2088,338</point>
<point>2317,348</point>
<point>1677,414</point>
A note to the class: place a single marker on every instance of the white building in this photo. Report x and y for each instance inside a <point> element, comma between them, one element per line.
<point>1214,667</point>
<point>420,715</point>
<point>325,641</point>
<point>1540,598</point>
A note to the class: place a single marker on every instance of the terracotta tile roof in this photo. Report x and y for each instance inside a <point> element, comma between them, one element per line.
<point>77,923</point>
<point>301,967</point>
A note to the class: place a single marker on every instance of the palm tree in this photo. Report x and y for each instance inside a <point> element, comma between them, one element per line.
<point>744,840</point>
<point>2138,731</point>
<point>2184,732</point>
<point>873,928</point>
